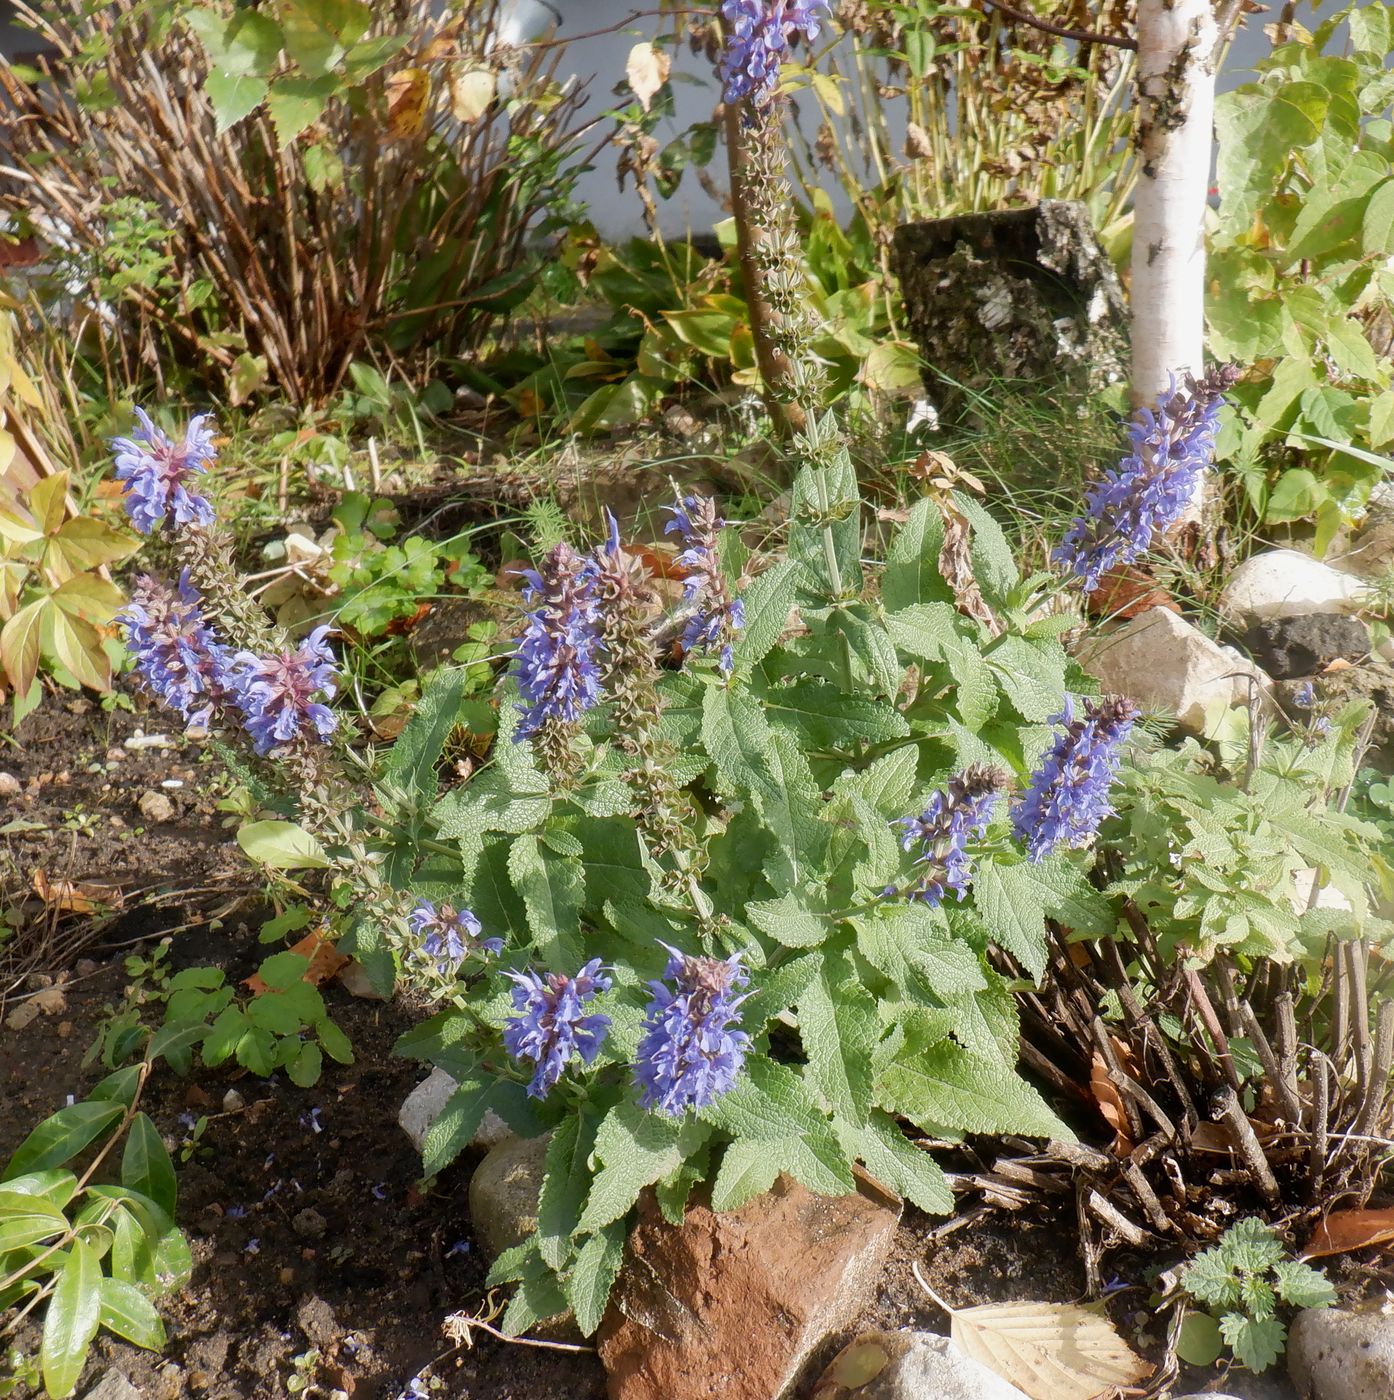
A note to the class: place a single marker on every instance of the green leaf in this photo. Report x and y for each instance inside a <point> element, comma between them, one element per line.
<point>946,1086</point>
<point>127,1312</point>
<point>305,1065</point>
<point>593,1275</point>
<point>912,563</point>
<point>295,103</point>
<point>553,889</point>
<point>74,1314</point>
<point>1031,675</point>
<point>839,1028</point>
<point>788,921</point>
<point>319,33</point>
<point>60,1138</point>
<point>737,736</point>
<point>925,630</point>
<point>282,846</point>
<point>1259,127</point>
<point>146,1166</point>
<point>234,96</point>
<point>1200,1343</point>
<point>635,1150</point>
<point>1301,1286</point>
<point>1008,898</point>
<point>767,604</point>
<point>775,992</point>
<point>825,531</point>
<point>565,1181</point>
<point>1256,1342</point>
<point>464,1110</point>
<point>27,1219</point>
<point>888,1155</point>
<point>747,1169</point>
<point>412,762</point>
<point>56,1187</point>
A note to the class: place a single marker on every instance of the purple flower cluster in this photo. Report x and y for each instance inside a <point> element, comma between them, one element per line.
<point>553,1024</point>
<point>157,472</point>
<point>177,652</point>
<point>276,692</point>
<point>717,616</point>
<point>689,1055</point>
<point>1067,796</point>
<point>1146,494</point>
<point>758,34</point>
<point>448,935</point>
<point>559,653</point>
<point>956,814</point>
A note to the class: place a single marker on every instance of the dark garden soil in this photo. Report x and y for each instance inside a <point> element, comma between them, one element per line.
<point>309,1227</point>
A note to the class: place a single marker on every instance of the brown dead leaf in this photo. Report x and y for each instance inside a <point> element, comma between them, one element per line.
<point>1052,1351</point>
<point>1345,1230</point>
<point>325,961</point>
<point>647,70</point>
<point>1127,592</point>
<point>1111,1106</point>
<point>956,562</point>
<point>70,896</point>
<point>408,96</point>
<point>1339,664</point>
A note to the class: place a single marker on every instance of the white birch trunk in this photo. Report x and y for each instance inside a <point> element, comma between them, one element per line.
<point>1174,135</point>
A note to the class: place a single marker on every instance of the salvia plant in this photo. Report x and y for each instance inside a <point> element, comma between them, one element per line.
<point>701,924</point>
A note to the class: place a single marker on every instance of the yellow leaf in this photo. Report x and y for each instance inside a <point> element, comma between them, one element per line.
<point>829,93</point>
<point>408,94</point>
<point>85,543</point>
<point>1052,1351</point>
<point>647,70</point>
<point>7,448</point>
<point>48,500</point>
<point>471,92</point>
<point>88,596</point>
<point>19,645</point>
<point>77,647</point>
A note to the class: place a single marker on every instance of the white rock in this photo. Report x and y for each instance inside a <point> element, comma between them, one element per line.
<point>423,1106</point>
<point>1287,583</point>
<point>909,1366</point>
<point>9,785</point>
<point>1333,1354</point>
<point>156,807</point>
<point>113,1386</point>
<point>1164,663</point>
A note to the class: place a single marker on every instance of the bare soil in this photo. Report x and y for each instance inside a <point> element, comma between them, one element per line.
<point>310,1227</point>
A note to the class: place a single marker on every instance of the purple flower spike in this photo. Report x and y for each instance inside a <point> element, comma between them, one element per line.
<point>1067,796</point>
<point>955,815</point>
<point>176,651</point>
<point>717,616</point>
<point>276,693</point>
<point>157,471</point>
<point>758,35</point>
<point>1145,495</point>
<point>553,1024</point>
<point>688,1056</point>
<point>559,654</point>
<point>448,935</point>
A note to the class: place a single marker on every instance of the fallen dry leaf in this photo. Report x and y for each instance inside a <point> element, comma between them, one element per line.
<point>1345,1230</point>
<point>1052,1351</point>
<point>408,95</point>
<point>69,896</point>
<point>1127,592</point>
<point>956,562</point>
<point>1111,1106</point>
<point>325,961</point>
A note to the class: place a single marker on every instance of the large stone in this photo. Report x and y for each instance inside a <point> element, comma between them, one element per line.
<point>1022,294</point>
<point>1287,647</point>
<point>732,1305</point>
<point>504,1191</point>
<point>909,1366</point>
<point>423,1106</point>
<point>1334,1354</point>
<point>1287,583</point>
<point>1165,663</point>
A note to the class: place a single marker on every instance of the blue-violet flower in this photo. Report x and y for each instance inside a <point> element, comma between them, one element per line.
<point>758,34</point>
<point>553,1024</point>
<point>448,935</point>
<point>157,472</point>
<point>1146,494</point>
<point>689,1055</point>
<point>1067,796</point>
<point>176,650</point>
<point>957,813</point>
<point>559,653</point>
<point>717,616</point>
<point>276,692</point>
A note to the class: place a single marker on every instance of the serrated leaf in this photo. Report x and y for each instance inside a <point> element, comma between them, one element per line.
<point>839,1028</point>
<point>912,572</point>
<point>888,1155</point>
<point>945,1085</point>
<point>593,1275</point>
<point>747,1169</point>
<point>1257,1342</point>
<point>552,888</point>
<point>1301,1286</point>
<point>1052,1351</point>
<point>565,1181</point>
<point>788,920</point>
<point>635,1150</point>
<point>767,604</point>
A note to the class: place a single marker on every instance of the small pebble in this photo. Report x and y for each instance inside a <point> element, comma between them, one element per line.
<point>22,1016</point>
<point>156,807</point>
<point>309,1222</point>
<point>9,785</point>
<point>86,967</point>
<point>172,783</point>
<point>233,1101</point>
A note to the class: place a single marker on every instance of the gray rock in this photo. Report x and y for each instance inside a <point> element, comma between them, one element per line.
<point>909,1366</point>
<point>1287,583</point>
<point>1165,663</point>
<point>1011,294</point>
<point>423,1106</point>
<point>1334,1354</point>
<point>503,1193</point>
<point>356,982</point>
<point>156,807</point>
<point>1288,647</point>
<point>113,1386</point>
<point>309,1223</point>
